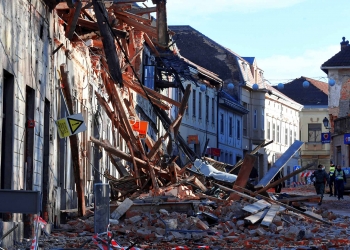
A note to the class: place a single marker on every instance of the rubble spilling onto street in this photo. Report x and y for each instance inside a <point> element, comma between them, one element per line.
<point>209,223</point>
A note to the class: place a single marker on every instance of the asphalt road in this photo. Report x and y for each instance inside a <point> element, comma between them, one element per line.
<point>330,203</point>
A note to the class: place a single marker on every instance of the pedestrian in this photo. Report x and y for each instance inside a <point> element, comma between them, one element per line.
<point>331,179</point>
<point>339,180</point>
<point>320,178</point>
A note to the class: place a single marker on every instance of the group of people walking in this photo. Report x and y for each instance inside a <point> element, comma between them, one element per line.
<point>335,179</point>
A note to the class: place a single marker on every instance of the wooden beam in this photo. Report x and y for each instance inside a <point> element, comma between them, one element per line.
<point>139,26</point>
<point>135,17</point>
<point>121,169</point>
<point>132,59</point>
<point>137,88</point>
<point>143,10</point>
<point>74,144</point>
<point>112,116</point>
<point>74,14</point>
<point>183,106</point>
<point>272,201</point>
<point>154,100</point>
<point>243,175</point>
<point>108,42</point>
<point>299,198</point>
<point>150,43</point>
<point>132,112</point>
<point>162,25</point>
<point>136,169</point>
<point>118,152</point>
<point>94,43</point>
<point>156,146</point>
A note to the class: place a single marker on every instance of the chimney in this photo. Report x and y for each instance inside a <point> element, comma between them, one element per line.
<point>344,43</point>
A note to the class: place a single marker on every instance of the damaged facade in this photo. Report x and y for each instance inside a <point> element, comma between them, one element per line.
<point>337,70</point>
<point>111,63</point>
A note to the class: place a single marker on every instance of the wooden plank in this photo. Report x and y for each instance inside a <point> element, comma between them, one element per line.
<point>270,215</point>
<point>120,168</point>
<point>183,107</point>
<point>279,203</point>
<point>133,58</point>
<point>162,25</point>
<point>143,10</point>
<point>158,143</point>
<point>108,42</point>
<point>150,43</point>
<point>243,175</point>
<point>74,14</point>
<point>299,198</point>
<point>118,152</point>
<point>254,218</point>
<point>256,206</point>
<point>199,184</point>
<point>136,87</point>
<point>135,17</point>
<point>74,144</point>
<point>139,26</point>
<point>239,163</point>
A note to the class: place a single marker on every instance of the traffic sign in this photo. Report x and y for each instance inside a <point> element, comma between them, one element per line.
<point>70,125</point>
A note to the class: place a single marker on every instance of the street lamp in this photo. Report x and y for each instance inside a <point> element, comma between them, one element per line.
<point>326,123</point>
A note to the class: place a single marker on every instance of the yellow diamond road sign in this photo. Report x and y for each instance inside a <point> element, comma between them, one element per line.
<point>70,125</point>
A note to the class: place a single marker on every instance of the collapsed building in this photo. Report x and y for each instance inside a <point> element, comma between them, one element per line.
<point>87,98</point>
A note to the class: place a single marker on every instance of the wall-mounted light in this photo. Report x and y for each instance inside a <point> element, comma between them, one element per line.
<point>326,123</point>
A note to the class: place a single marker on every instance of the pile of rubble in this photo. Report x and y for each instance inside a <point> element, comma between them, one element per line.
<point>204,222</point>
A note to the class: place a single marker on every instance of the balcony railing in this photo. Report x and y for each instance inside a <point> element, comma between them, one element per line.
<point>342,125</point>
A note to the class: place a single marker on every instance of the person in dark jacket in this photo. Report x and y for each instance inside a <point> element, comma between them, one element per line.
<point>339,180</point>
<point>320,178</point>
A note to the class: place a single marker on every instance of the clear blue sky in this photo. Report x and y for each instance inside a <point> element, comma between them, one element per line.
<point>288,38</point>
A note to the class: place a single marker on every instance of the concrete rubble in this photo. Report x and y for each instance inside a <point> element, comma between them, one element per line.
<point>215,225</point>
